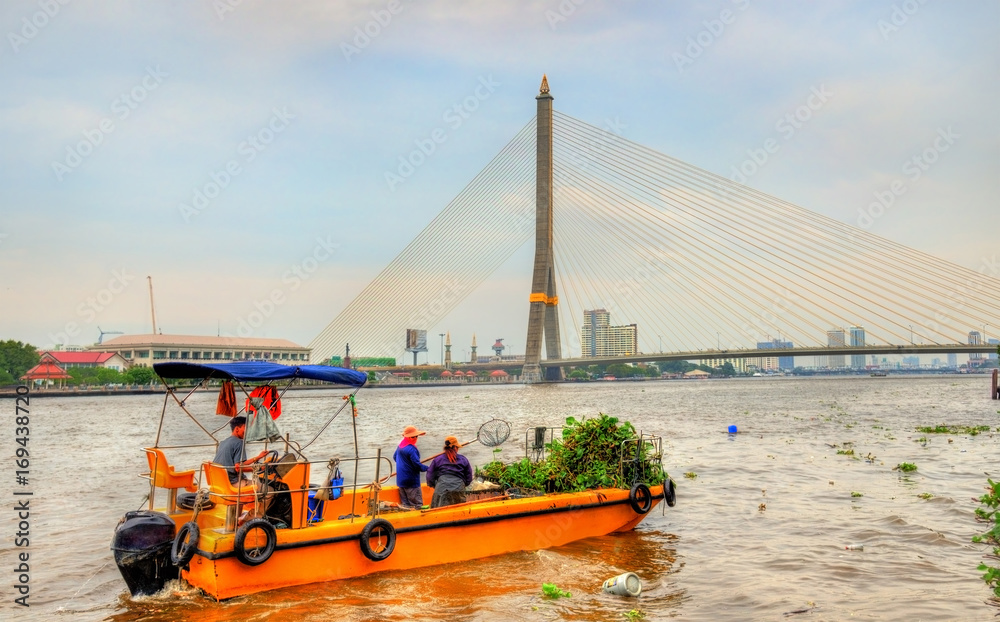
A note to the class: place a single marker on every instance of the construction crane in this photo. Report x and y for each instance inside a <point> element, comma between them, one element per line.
<point>152,309</point>
<point>100,338</point>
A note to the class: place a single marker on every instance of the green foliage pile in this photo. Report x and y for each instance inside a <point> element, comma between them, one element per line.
<point>587,456</point>
<point>990,514</point>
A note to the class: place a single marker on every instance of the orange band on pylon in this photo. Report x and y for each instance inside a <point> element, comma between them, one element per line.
<point>537,297</point>
<point>554,300</point>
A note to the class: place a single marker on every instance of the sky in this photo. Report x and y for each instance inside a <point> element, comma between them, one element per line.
<point>230,149</point>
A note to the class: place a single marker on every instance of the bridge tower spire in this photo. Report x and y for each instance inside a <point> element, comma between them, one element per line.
<point>543,317</point>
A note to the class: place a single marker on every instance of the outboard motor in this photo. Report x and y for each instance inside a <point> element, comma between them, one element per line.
<point>142,550</point>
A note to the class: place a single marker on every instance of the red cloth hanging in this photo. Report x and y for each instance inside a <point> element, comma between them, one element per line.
<point>227,400</point>
<point>271,400</point>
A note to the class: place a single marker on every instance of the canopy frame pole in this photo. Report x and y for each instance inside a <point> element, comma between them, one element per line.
<point>163,415</point>
<point>171,393</point>
<point>330,420</point>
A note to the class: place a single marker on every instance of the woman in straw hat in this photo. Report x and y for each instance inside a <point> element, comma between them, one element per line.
<point>409,468</point>
<point>449,474</point>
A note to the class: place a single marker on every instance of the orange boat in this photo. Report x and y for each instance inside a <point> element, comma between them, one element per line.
<point>360,531</point>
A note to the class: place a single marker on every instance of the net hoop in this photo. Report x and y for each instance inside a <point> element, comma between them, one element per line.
<point>493,433</point>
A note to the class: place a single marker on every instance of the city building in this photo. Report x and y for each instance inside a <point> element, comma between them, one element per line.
<point>739,365</point>
<point>144,350</point>
<point>993,342</point>
<point>835,338</point>
<point>771,363</point>
<point>599,338</point>
<point>975,339</point>
<point>858,341</point>
<point>952,359</point>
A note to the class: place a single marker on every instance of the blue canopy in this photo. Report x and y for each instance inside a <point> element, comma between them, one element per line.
<point>257,371</point>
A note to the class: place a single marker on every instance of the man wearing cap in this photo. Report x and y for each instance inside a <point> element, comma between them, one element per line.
<point>449,474</point>
<point>409,468</point>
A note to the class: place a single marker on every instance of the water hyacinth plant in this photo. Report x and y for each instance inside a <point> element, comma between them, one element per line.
<point>990,514</point>
<point>588,455</point>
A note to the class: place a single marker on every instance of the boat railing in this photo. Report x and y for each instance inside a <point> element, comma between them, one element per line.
<point>535,440</point>
<point>344,465</point>
<point>641,458</point>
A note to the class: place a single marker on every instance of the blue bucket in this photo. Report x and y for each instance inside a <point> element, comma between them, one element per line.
<point>732,429</point>
<point>315,513</point>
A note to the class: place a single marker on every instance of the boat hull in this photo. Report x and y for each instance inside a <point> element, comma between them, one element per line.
<point>331,549</point>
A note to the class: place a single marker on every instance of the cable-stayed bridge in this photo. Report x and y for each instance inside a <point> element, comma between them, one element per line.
<point>704,267</point>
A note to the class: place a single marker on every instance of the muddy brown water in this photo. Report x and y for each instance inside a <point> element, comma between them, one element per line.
<point>759,533</point>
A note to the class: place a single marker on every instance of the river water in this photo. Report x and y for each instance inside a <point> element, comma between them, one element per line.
<point>758,533</point>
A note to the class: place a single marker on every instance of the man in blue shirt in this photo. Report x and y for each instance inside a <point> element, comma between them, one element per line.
<point>232,454</point>
<point>409,468</point>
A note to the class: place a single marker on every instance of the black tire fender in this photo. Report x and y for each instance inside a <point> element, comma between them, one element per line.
<point>669,493</point>
<point>640,498</point>
<point>255,556</point>
<point>185,544</point>
<point>378,528</point>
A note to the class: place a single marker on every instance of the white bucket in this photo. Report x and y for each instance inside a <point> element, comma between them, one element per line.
<point>625,584</point>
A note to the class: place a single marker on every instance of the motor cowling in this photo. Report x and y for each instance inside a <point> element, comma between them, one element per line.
<point>142,550</point>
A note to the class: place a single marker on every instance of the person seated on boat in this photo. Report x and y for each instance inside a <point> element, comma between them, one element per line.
<point>232,453</point>
<point>449,474</point>
<point>409,468</point>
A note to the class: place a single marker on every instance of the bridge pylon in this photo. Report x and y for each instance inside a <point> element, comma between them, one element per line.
<point>543,316</point>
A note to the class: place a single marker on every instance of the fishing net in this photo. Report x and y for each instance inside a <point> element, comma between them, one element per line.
<point>493,433</point>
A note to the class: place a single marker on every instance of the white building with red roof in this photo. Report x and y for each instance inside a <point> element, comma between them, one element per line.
<point>65,360</point>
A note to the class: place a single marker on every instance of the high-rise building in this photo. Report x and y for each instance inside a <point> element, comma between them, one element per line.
<point>599,338</point>
<point>975,339</point>
<point>952,359</point>
<point>835,338</point>
<point>858,341</point>
<point>772,362</point>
